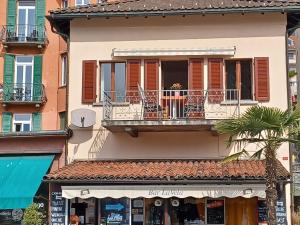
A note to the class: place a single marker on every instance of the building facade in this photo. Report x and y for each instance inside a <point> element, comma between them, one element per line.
<point>148,81</point>
<point>33,76</point>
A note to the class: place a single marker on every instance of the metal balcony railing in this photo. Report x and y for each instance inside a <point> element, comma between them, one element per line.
<point>23,33</point>
<point>22,93</point>
<point>170,104</point>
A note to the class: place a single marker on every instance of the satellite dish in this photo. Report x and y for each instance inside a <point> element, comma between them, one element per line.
<point>83,117</point>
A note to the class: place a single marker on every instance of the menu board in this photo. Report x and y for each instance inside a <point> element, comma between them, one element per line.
<point>215,211</point>
<point>58,207</point>
<point>281,213</point>
<point>11,216</point>
<point>137,211</point>
<point>262,211</point>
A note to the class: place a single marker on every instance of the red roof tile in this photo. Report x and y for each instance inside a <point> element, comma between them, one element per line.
<point>141,170</point>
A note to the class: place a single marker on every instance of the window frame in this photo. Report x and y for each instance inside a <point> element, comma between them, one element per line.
<point>64,4</point>
<point>14,122</point>
<point>238,75</point>
<point>224,200</point>
<point>64,70</point>
<point>112,62</point>
<point>82,2</point>
<point>27,8</point>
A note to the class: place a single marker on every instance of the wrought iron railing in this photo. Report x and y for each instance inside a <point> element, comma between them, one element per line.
<point>171,104</point>
<point>22,93</point>
<point>23,33</point>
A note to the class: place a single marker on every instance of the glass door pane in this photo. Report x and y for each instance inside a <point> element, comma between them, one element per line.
<point>28,83</point>
<point>31,29</point>
<point>22,24</point>
<point>19,84</point>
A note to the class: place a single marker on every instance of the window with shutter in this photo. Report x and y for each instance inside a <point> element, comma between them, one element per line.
<point>11,15</point>
<point>9,61</point>
<point>133,79</point>
<point>6,122</point>
<point>215,80</point>
<point>261,69</point>
<point>37,78</point>
<point>40,18</point>
<point>151,74</point>
<point>89,72</point>
<point>36,121</point>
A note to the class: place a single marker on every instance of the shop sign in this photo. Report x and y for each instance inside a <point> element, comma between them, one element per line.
<point>11,216</point>
<point>165,192</point>
<point>117,207</point>
<point>281,213</point>
<point>57,208</point>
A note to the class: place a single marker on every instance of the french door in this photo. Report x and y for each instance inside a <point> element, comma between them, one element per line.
<point>26,20</point>
<point>23,89</point>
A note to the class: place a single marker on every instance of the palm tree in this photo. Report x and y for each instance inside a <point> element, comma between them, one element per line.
<point>268,128</point>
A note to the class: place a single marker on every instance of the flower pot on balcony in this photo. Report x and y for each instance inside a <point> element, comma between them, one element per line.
<point>177,93</point>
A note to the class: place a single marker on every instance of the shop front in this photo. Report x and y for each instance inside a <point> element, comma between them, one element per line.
<point>147,193</point>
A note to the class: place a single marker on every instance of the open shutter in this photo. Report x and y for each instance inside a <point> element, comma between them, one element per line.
<point>196,79</point>
<point>37,78</point>
<point>9,65</point>
<point>6,121</point>
<point>11,15</point>
<point>133,79</point>
<point>89,73</point>
<point>40,18</point>
<point>151,74</point>
<point>36,121</point>
<point>262,89</point>
<point>215,80</point>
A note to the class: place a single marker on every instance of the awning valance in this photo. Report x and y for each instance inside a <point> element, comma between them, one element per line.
<point>165,191</point>
<point>20,178</point>
<point>230,51</point>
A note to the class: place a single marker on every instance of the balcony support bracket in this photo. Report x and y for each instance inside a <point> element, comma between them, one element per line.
<point>132,132</point>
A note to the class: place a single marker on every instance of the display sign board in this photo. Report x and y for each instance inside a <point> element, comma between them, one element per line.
<point>58,207</point>
<point>262,211</point>
<point>215,211</point>
<point>137,211</point>
<point>11,216</point>
<point>280,212</point>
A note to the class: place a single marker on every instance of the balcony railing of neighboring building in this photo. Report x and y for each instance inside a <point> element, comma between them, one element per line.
<point>163,105</point>
<point>22,93</point>
<point>24,34</point>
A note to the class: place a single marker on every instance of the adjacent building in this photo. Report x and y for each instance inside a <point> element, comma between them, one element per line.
<point>33,78</point>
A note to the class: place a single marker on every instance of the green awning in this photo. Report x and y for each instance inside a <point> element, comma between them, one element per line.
<point>20,178</point>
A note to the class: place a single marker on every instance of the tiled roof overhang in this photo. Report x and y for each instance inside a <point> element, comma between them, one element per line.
<point>164,171</point>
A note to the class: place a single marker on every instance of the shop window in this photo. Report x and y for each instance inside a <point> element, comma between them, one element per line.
<point>154,211</point>
<point>115,211</point>
<point>239,76</point>
<point>215,211</point>
<point>22,122</point>
<point>85,209</point>
<point>137,211</point>
<point>113,81</point>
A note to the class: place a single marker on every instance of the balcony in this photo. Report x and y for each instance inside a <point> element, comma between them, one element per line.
<point>22,93</point>
<point>24,35</point>
<point>168,110</point>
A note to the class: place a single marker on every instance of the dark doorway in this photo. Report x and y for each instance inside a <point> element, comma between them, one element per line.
<point>174,72</point>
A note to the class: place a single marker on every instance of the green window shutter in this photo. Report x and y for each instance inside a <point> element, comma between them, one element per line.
<point>11,14</point>
<point>6,122</point>
<point>40,10</point>
<point>37,78</point>
<point>36,121</point>
<point>9,65</point>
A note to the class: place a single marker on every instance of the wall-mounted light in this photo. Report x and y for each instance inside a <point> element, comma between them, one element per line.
<point>248,191</point>
<point>85,192</point>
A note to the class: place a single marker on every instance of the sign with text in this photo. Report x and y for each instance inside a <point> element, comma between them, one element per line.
<point>58,207</point>
<point>281,213</point>
<point>11,216</point>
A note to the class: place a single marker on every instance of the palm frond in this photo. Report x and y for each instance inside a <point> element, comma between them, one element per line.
<point>236,156</point>
<point>257,154</point>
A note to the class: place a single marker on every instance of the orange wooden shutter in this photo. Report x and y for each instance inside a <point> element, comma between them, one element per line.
<point>262,89</point>
<point>133,79</point>
<point>215,80</point>
<point>151,74</point>
<point>89,72</point>
<point>196,79</point>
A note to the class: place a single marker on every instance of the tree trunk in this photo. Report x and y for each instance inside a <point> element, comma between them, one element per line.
<point>271,182</point>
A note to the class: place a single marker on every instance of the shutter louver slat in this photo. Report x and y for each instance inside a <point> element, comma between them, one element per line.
<point>36,121</point>
<point>196,81</point>
<point>133,79</point>
<point>89,72</point>
<point>215,80</point>
<point>37,78</point>
<point>262,91</point>
<point>151,74</point>
<point>6,122</point>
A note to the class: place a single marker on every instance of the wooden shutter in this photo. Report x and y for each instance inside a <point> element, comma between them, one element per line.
<point>40,18</point>
<point>215,80</point>
<point>261,69</point>
<point>9,66</point>
<point>37,78</point>
<point>36,121</point>
<point>11,14</point>
<point>133,79</point>
<point>6,121</point>
<point>196,79</point>
<point>89,72</point>
<point>151,74</point>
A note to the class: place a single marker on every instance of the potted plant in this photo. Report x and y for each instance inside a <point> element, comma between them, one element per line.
<point>33,215</point>
<point>176,87</point>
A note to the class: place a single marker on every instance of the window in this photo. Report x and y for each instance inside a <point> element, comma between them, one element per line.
<point>113,80</point>
<point>291,55</point>
<point>82,2</point>
<point>64,3</point>
<point>62,120</point>
<point>23,86</point>
<point>22,122</point>
<point>215,211</point>
<point>26,19</point>
<point>239,77</point>
<point>115,211</point>
<point>64,69</point>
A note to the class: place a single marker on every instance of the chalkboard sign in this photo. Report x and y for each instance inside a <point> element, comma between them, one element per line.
<point>11,216</point>
<point>57,208</point>
<point>215,211</point>
<point>137,211</point>
<point>281,213</point>
<point>262,211</point>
